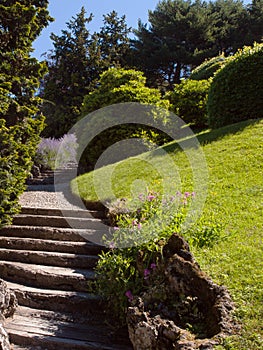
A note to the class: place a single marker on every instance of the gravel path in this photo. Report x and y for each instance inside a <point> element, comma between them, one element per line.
<point>46,196</point>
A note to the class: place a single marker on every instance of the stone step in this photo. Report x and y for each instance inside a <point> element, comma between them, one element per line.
<point>80,261</point>
<point>57,221</point>
<point>86,214</point>
<point>58,300</point>
<point>70,247</point>
<point>42,276</point>
<point>39,329</point>
<point>52,233</point>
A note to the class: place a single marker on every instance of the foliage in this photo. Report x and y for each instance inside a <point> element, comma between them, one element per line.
<point>75,64</point>
<point>20,24</point>
<point>56,153</point>
<point>189,101</point>
<point>183,33</point>
<point>234,158</point>
<point>208,68</point>
<point>17,147</point>
<point>136,246</point>
<point>113,41</point>
<point>117,86</point>
<point>236,91</point>
<point>20,124</point>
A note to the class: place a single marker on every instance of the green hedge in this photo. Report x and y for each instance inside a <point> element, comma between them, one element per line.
<point>237,89</point>
<point>17,146</point>
<point>189,101</point>
<point>208,68</point>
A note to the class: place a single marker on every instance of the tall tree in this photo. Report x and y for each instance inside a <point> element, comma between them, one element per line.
<point>178,36</point>
<point>75,64</point>
<point>20,24</point>
<point>72,68</point>
<point>182,33</point>
<point>113,40</point>
<point>255,10</point>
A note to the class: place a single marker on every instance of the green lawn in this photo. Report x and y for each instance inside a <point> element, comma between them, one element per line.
<point>234,157</point>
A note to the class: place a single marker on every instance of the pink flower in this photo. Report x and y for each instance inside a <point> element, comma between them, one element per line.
<point>187,194</point>
<point>116,228</point>
<point>146,273</point>
<point>134,222</point>
<point>193,194</point>
<point>129,295</point>
<point>139,226</point>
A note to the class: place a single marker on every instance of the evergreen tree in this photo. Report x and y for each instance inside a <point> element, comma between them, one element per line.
<point>72,69</point>
<point>113,41</point>
<point>20,24</point>
<point>182,33</point>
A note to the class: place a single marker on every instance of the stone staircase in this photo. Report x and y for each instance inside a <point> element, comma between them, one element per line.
<point>48,265</point>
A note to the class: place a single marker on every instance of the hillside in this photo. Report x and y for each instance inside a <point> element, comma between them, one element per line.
<point>234,158</point>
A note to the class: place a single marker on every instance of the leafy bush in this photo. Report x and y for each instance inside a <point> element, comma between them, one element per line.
<point>189,101</point>
<point>137,242</point>
<point>52,153</point>
<point>208,68</point>
<point>17,147</point>
<point>118,86</point>
<point>236,91</point>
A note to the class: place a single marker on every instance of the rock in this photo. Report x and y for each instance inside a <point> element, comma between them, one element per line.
<point>8,305</point>
<point>35,171</point>
<point>4,341</point>
<point>8,302</point>
<point>185,310</point>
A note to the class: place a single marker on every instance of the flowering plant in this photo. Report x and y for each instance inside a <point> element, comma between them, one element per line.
<point>135,256</point>
<point>56,153</point>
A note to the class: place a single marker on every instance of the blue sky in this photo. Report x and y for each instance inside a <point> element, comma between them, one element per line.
<point>63,10</point>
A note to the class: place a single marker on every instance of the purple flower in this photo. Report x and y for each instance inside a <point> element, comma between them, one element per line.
<point>134,222</point>
<point>139,226</point>
<point>187,194</point>
<point>153,266</point>
<point>193,194</point>
<point>115,228</point>
<point>129,295</point>
<point>150,197</point>
<point>146,273</point>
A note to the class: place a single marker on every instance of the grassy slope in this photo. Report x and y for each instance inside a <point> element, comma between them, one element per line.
<point>234,157</point>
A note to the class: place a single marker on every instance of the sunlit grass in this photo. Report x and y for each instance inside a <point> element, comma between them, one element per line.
<point>234,157</point>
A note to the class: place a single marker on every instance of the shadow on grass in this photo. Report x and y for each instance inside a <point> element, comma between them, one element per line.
<point>210,136</point>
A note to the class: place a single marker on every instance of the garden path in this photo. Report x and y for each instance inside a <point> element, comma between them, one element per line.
<point>48,265</point>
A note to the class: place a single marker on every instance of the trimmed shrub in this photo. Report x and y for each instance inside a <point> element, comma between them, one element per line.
<point>119,86</point>
<point>17,146</point>
<point>236,90</point>
<point>189,101</point>
<point>208,68</point>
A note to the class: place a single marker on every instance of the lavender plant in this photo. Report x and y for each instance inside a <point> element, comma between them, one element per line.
<point>56,153</point>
